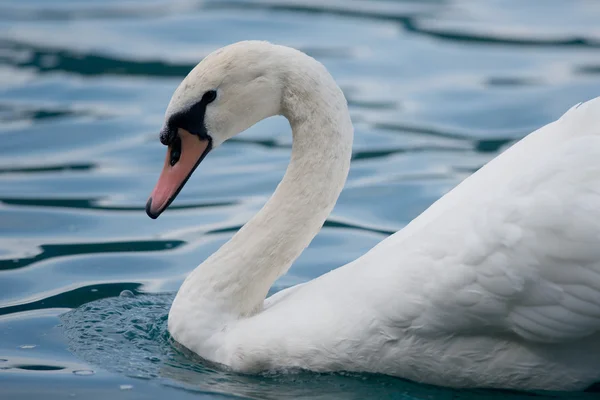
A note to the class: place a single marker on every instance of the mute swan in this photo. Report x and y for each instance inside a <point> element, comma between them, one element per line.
<point>496,285</point>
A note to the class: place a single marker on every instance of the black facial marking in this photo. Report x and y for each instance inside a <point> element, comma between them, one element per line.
<point>192,120</point>
<point>167,134</point>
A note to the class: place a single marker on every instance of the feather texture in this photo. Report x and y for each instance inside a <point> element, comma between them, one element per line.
<point>497,284</point>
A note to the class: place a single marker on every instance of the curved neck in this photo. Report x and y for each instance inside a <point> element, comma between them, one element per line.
<point>235,280</point>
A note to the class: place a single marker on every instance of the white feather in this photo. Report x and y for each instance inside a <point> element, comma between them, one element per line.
<point>497,284</point>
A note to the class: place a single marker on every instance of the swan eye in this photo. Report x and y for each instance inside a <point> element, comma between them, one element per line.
<point>209,96</point>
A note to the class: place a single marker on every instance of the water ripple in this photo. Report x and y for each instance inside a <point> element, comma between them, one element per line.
<point>72,298</point>
<point>44,59</point>
<point>48,251</point>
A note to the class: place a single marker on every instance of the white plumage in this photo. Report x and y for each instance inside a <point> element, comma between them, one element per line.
<point>497,284</point>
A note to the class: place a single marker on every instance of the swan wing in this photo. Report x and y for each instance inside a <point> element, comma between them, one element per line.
<point>281,295</point>
<point>527,230</point>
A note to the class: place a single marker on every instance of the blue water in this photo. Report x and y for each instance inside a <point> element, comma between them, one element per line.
<point>436,88</point>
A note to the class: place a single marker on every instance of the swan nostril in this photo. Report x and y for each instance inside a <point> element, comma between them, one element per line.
<point>175,150</point>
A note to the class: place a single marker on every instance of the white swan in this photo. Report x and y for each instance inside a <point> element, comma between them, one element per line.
<point>497,284</point>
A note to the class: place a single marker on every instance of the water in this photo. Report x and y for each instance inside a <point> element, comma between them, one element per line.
<point>436,88</point>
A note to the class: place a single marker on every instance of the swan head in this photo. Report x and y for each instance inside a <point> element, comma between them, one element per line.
<point>230,90</point>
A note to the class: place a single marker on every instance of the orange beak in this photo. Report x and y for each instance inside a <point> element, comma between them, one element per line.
<point>183,156</point>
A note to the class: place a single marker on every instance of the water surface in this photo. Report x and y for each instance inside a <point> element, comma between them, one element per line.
<point>436,88</point>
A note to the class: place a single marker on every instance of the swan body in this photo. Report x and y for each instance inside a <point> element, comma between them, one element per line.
<point>497,284</point>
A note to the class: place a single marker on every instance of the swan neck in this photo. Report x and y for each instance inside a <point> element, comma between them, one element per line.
<point>237,278</point>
